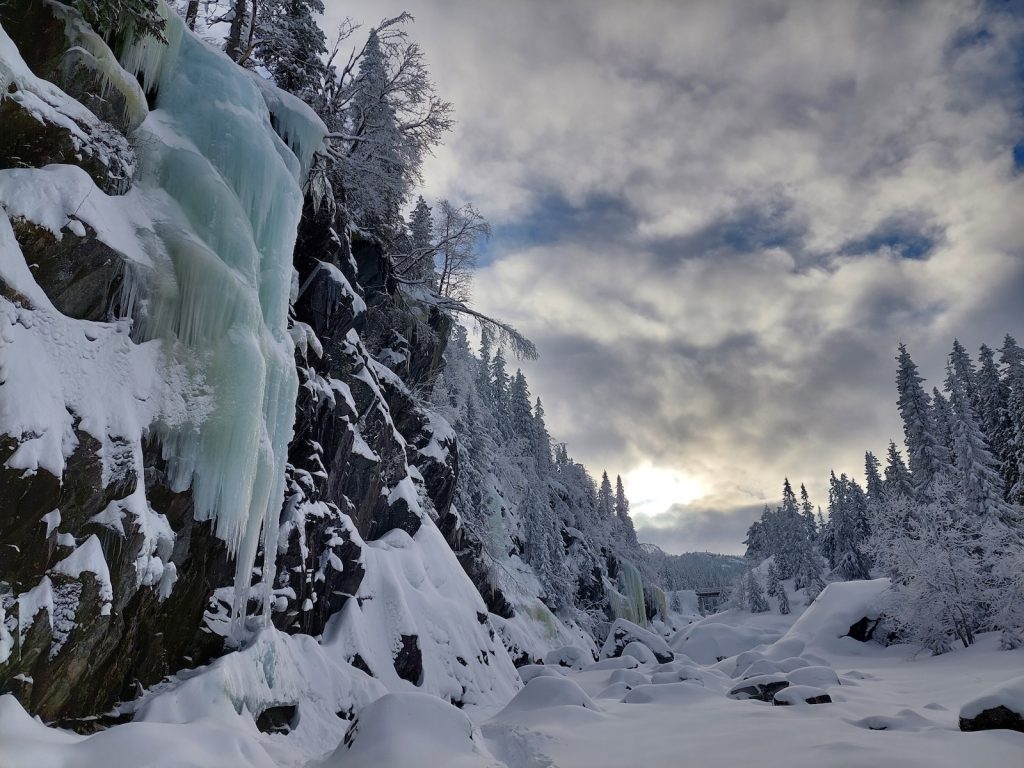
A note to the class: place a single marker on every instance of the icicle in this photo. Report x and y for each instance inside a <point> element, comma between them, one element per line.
<point>229,193</point>
<point>631,585</point>
<point>92,51</point>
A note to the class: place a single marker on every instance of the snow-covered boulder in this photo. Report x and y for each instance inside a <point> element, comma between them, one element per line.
<point>763,687</point>
<point>839,609</point>
<point>672,693</point>
<point>819,677</point>
<point>709,641</point>
<point>640,652</point>
<point>409,730</point>
<point>1002,707</point>
<point>530,671</point>
<point>619,662</point>
<point>570,656</point>
<point>800,695</point>
<point>623,632</point>
<point>546,692</point>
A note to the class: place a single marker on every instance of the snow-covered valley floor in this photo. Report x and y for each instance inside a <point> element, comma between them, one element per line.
<point>887,707</point>
<point>893,708</point>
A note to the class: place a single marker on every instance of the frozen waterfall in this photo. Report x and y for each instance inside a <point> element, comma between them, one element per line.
<point>229,193</point>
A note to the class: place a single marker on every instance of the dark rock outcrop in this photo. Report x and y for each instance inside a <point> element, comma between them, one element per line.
<point>992,719</point>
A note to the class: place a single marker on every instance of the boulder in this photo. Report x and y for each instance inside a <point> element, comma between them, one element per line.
<point>762,687</point>
<point>819,677</point>
<point>623,632</point>
<point>570,656</point>
<point>1000,708</point>
<point>800,695</point>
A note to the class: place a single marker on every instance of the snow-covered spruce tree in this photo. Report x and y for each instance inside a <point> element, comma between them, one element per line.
<point>756,602</point>
<point>756,542</point>
<point>541,439</point>
<point>288,41</point>
<point>605,498</point>
<point>963,368</point>
<point>991,410</point>
<point>925,451</point>
<point>942,417</point>
<point>418,264</point>
<point>939,583</point>
<point>897,476</point>
<point>807,510</point>
<point>621,502</point>
<point>979,483</point>
<point>111,18</point>
<point>1012,358</point>
<point>849,527</point>
<point>787,533</point>
<point>873,485</point>
<point>777,590</point>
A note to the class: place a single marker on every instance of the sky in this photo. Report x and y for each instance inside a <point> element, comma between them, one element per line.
<point>717,220</point>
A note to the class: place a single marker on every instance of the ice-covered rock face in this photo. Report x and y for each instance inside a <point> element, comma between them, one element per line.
<point>230,197</point>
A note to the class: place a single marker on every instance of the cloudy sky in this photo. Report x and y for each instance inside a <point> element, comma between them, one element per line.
<point>718,219</point>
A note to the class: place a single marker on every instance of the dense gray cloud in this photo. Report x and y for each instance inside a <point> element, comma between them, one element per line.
<point>718,219</point>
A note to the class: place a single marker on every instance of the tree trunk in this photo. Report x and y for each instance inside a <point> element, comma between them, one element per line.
<point>191,13</point>
<point>233,48</point>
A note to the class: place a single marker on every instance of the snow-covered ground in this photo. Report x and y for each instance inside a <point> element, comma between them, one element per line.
<point>890,706</point>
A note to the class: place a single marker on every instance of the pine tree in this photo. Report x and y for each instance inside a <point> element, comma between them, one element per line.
<point>377,165</point>
<point>755,594</point>
<point>541,440</point>
<point>807,510</point>
<point>520,412</point>
<point>979,482</point>
<point>872,477</point>
<point>938,578</point>
<point>927,456</point>
<point>942,417</point>
<point>420,264</point>
<point>963,369</point>
<point>756,543</point>
<point>290,44</point>
<point>605,499</point>
<point>483,385</point>
<point>499,387</point>
<point>991,407</point>
<point>897,476</point>
<point>1012,358</point>
<point>621,502</point>
<point>849,528</point>
<point>777,590</point>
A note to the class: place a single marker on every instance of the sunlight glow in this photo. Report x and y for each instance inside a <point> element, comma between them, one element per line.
<point>652,490</point>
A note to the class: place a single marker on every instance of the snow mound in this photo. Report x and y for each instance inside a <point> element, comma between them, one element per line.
<point>410,730</point>
<point>530,671</point>
<point>547,692</point>
<point>623,633</point>
<point>669,693</point>
<point>708,642</point>
<point>1010,695</point>
<point>619,662</point>
<point>819,677</point>
<point>569,656</point>
<point>640,652</point>
<point>275,670</point>
<point>415,595</point>
<point>800,695</point>
<point>827,621</point>
<point>24,741</point>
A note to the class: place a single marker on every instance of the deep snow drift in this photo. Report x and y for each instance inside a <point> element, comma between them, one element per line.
<point>886,706</point>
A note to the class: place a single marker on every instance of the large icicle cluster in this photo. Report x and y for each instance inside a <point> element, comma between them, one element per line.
<point>230,193</point>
